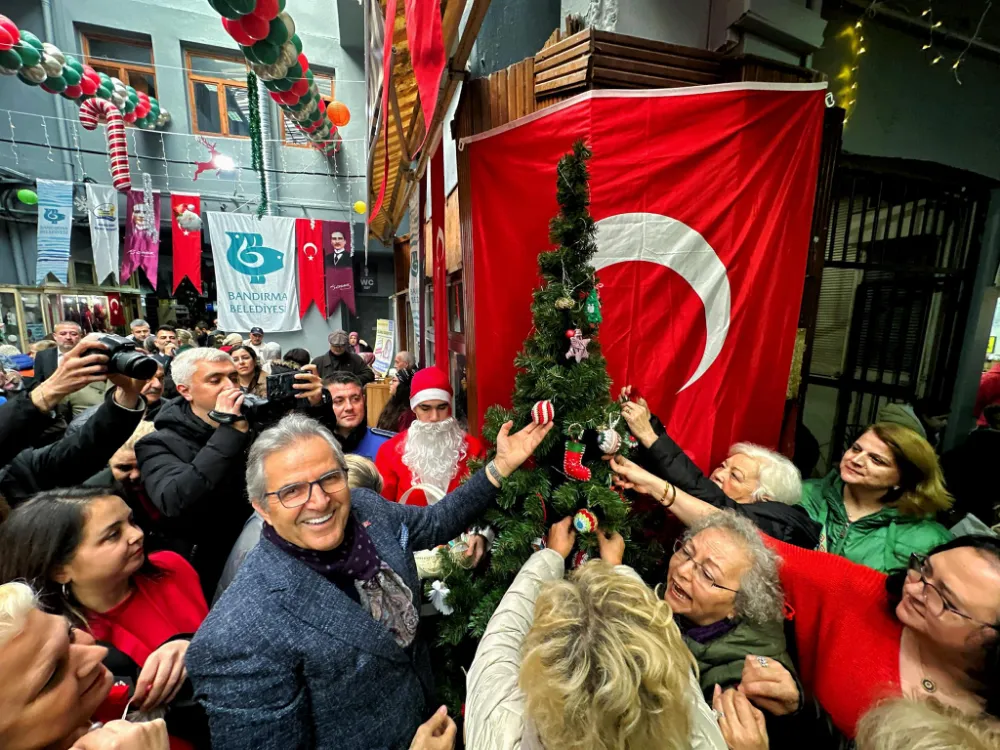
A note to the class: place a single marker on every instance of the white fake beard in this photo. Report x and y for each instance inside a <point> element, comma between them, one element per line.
<point>433,450</point>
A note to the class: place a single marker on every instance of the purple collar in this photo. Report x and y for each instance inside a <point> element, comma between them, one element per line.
<point>703,633</point>
<point>355,559</point>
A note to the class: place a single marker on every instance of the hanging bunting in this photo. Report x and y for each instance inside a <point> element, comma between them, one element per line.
<point>390,24</point>
<point>312,280</point>
<point>142,237</point>
<point>55,224</point>
<point>185,225</point>
<point>102,212</point>
<point>426,41</point>
<point>339,266</point>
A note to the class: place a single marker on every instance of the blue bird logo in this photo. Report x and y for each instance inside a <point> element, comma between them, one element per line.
<point>248,255</point>
<point>52,215</point>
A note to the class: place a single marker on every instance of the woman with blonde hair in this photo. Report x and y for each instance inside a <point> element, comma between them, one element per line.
<point>925,725</point>
<point>590,663</point>
<point>877,508</point>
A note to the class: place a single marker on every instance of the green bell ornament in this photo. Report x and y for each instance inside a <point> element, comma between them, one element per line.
<point>592,307</point>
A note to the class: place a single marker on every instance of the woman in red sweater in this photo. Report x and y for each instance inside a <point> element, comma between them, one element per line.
<point>930,631</point>
<point>79,549</point>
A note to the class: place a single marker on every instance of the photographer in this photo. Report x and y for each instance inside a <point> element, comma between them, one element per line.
<point>71,460</point>
<point>193,466</point>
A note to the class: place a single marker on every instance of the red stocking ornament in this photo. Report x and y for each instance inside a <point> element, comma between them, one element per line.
<point>572,462</point>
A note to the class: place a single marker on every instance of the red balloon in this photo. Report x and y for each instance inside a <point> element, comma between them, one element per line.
<point>141,109</point>
<point>276,95</point>
<point>300,87</point>
<point>11,30</point>
<point>234,30</point>
<point>73,92</point>
<point>89,72</point>
<point>88,86</point>
<point>45,88</point>
<point>7,40</point>
<point>254,27</point>
<point>130,117</point>
<point>303,61</point>
<point>289,97</point>
<point>267,9</point>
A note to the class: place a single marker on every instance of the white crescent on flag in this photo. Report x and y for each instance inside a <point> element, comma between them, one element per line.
<point>672,244</point>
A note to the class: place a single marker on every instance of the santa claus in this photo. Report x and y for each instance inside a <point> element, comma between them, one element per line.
<point>433,451</point>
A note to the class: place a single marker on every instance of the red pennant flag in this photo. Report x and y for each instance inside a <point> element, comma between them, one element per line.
<point>185,220</point>
<point>423,33</point>
<point>312,284</point>
<point>116,316</point>
<point>390,25</point>
<point>702,235</point>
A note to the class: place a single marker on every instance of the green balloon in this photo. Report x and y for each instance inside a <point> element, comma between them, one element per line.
<point>10,60</point>
<point>266,52</point>
<point>225,9</point>
<point>295,72</point>
<point>73,63</point>
<point>250,54</point>
<point>26,195</point>
<point>56,83</point>
<point>129,105</point>
<point>297,43</point>
<point>281,5</point>
<point>309,77</point>
<point>34,41</point>
<point>131,92</point>
<point>72,75</point>
<point>105,79</point>
<point>30,57</point>
<point>243,6</point>
<point>154,110</point>
<point>103,92</point>
<point>283,84</point>
<point>279,33</point>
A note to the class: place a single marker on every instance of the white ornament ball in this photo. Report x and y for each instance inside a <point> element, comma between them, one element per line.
<point>542,412</point>
<point>609,441</point>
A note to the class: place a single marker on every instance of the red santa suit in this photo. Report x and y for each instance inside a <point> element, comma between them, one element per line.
<point>430,384</point>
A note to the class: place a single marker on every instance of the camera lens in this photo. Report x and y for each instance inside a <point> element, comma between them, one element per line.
<point>133,364</point>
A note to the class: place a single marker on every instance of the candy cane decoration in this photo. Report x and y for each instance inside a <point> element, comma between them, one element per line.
<point>97,110</point>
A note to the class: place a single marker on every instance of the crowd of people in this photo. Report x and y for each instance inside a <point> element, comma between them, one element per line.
<point>218,551</point>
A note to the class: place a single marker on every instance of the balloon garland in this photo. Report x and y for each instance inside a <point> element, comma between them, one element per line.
<point>42,64</point>
<point>266,35</point>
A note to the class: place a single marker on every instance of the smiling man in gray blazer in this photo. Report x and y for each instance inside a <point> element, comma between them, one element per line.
<point>314,644</point>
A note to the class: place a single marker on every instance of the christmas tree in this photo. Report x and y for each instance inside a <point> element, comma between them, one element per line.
<point>561,372</point>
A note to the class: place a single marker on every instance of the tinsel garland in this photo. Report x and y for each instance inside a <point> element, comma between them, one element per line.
<point>256,142</point>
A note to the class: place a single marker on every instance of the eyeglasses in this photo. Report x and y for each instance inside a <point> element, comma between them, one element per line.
<point>702,575</point>
<point>918,570</point>
<point>298,494</point>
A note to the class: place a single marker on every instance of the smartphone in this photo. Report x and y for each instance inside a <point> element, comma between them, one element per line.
<point>279,387</point>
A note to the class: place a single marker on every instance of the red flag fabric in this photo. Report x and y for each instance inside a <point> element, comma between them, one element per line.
<point>116,316</point>
<point>339,265</point>
<point>441,323</point>
<point>312,284</point>
<point>185,221</point>
<point>703,199</point>
<point>426,41</point>
<point>390,25</point>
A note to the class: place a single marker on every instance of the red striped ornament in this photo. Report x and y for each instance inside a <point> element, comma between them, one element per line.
<point>94,111</point>
<point>543,412</point>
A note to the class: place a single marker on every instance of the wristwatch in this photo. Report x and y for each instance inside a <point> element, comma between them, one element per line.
<point>223,418</point>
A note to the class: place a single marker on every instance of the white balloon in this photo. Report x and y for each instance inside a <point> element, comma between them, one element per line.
<point>35,74</point>
<point>289,23</point>
<point>51,65</point>
<point>8,71</point>
<point>53,51</point>
<point>288,54</point>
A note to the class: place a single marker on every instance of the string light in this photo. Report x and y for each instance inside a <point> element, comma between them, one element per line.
<point>938,58</point>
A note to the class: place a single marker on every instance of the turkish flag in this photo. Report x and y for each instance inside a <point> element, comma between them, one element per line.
<point>116,316</point>
<point>312,285</point>
<point>185,222</point>
<point>703,200</point>
<point>426,42</point>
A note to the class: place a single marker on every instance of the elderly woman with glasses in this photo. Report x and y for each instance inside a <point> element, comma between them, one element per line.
<point>315,643</point>
<point>931,630</point>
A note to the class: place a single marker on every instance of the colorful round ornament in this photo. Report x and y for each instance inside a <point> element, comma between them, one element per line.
<point>584,521</point>
<point>543,412</point>
<point>609,441</point>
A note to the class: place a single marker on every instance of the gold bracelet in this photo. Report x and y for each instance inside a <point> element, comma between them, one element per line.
<point>671,490</point>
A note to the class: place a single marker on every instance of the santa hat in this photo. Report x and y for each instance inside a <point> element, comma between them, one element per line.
<point>430,384</point>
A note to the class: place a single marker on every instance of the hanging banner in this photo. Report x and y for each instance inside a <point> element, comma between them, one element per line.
<point>702,229</point>
<point>102,211</point>
<point>339,266</point>
<point>426,41</point>
<point>312,281</point>
<point>385,331</point>
<point>255,272</point>
<point>185,224</point>
<point>55,225</point>
<point>142,236</point>
<point>116,316</point>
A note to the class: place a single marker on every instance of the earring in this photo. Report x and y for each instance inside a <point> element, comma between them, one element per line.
<point>65,591</point>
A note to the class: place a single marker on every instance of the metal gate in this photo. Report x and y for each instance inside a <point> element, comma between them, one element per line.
<point>903,245</point>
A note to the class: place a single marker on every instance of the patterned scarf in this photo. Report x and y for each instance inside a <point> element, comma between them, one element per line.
<point>382,593</point>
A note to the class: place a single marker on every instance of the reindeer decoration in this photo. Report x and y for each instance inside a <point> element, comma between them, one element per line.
<point>211,163</point>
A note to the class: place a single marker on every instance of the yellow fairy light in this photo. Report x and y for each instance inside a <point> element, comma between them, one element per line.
<point>937,59</point>
<point>957,63</point>
<point>936,24</point>
<point>928,46</point>
<point>857,25</point>
<point>854,85</point>
<point>926,12</point>
<point>862,51</point>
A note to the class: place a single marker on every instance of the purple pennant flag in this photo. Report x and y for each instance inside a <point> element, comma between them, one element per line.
<point>339,266</point>
<point>142,236</point>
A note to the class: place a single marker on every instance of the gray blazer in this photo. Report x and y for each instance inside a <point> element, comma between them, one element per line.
<point>287,661</point>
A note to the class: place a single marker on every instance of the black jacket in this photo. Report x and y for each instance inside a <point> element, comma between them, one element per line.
<point>194,475</point>
<point>328,363</point>
<point>789,523</point>
<point>46,362</point>
<point>20,424</point>
<point>72,460</point>
<point>81,419</point>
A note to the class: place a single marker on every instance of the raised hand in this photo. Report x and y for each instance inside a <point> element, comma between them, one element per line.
<point>631,476</point>
<point>513,450</point>
<point>309,385</point>
<point>637,416</point>
<point>562,537</point>
<point>612,547</point>
<point>75,372</point>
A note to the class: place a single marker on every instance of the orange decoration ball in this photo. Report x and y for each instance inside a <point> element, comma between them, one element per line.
<point>338,114</point>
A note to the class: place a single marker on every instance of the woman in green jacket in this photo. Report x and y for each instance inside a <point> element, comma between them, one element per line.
<point>878,506</point>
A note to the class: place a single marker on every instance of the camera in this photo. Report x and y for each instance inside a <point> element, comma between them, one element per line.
<point>280,399</point>
<point>123,358</point>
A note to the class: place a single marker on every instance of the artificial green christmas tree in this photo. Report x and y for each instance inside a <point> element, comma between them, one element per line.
<point>561,363</point>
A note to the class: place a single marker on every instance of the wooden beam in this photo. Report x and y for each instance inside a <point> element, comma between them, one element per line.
<point>404,146</point>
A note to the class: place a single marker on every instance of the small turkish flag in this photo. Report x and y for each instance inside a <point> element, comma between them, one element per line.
<point>312,284</point>
<point>116,316</point>
<point>185,220</point>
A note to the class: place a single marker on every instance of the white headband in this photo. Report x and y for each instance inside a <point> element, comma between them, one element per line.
<point>429,394</point>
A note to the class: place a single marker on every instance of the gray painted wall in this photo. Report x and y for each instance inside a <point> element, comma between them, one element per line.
<point>173,26</point>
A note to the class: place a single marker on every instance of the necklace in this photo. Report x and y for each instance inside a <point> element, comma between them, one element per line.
<point>929,685</point>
